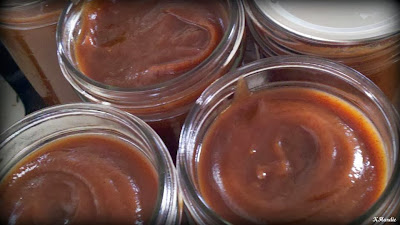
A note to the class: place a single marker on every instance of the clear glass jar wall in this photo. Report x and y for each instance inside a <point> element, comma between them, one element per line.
<point>374,53</point>
<point>289,71</point>
<point>164,106</point>
<point>27,29</point>
<point>61,122</point>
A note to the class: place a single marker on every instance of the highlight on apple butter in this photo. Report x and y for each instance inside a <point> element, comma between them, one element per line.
<point>132,44</point>
<point>80,179</point>
<point>291,155</point>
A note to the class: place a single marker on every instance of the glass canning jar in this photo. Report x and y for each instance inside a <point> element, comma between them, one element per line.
<point>362,35</point>
<point>290,71</point>
<point>163,106</point>
<point>28,30</point>
<point>59,122</point>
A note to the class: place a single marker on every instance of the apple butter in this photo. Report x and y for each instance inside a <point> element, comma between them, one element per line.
<point>141,43</point>
<point>291,155</point>
<point>81,179</point>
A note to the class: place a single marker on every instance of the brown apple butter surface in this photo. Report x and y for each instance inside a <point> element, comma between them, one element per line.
<point>82,179</point>
<point>140,43</point>
<point>291,155</point>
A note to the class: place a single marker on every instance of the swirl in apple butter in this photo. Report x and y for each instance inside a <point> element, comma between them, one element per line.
<point>82,179</point>
<point>291,155</point>
<point>139,43</point>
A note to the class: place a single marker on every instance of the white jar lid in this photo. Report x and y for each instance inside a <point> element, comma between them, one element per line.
<point>334,20</point>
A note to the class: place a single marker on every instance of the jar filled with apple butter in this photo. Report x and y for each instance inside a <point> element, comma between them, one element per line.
<point>86,164</point>
<point>291,140</point>
<point>150,58</point>
<point>28,30</point>
<point>363,35</point>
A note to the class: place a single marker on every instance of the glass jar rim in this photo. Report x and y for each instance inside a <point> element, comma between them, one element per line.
<point>165,168</point>
<point>190,133</point>
<point>23,6</point>
<point>252,9</point>
<point>19,4</point>
<point>236,11</point>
